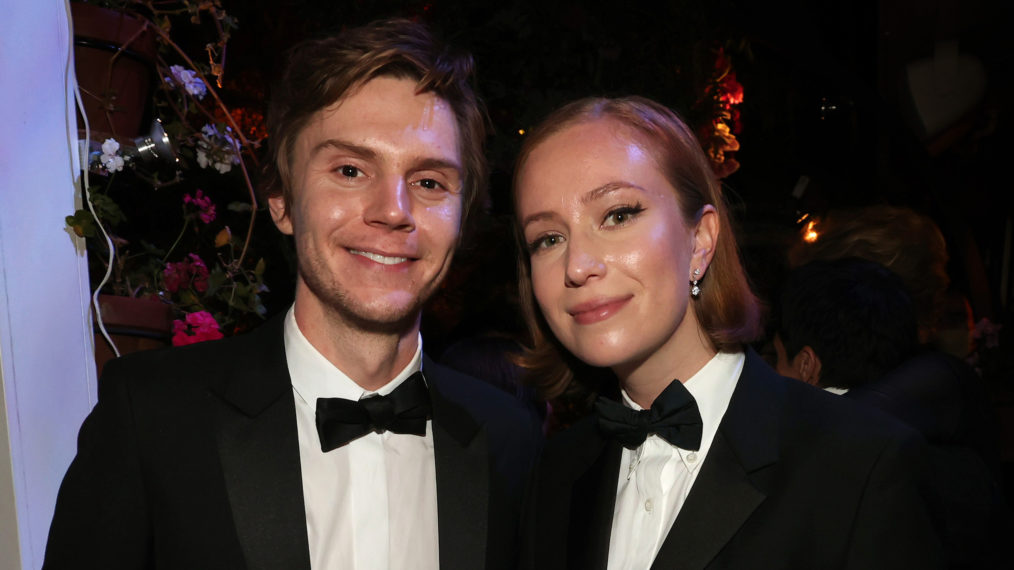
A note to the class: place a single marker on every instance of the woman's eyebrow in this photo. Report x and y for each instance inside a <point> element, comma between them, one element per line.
<point>606,189</point>
<point>588,197</point>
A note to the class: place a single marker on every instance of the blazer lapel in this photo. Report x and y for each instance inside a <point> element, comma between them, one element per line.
<point>574,494</point>
<point>259,450</point>
<point>593,501</point>
<point>730,485</point>
<point>461,450</point>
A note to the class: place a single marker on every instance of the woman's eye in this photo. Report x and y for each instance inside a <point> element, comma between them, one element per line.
<point>622,215</point>
<point>349,171</point>
<point>544,242</point>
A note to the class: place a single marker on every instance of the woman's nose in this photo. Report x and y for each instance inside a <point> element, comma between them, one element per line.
<point>583,263</point>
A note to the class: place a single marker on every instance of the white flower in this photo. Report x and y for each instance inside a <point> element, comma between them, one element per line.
<point>217,149</point>
<point>110,146</point>
<point>112,162</point>
<point>110,159</point>
<point>188,79</point>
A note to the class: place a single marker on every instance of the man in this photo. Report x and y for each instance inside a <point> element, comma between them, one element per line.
<point>849,326</point>
<point>284,448</point>
<point>843,323</point>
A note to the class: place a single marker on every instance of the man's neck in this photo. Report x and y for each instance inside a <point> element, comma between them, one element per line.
<point>370,358</point>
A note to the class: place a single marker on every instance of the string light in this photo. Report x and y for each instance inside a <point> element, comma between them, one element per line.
<point>810,234</point>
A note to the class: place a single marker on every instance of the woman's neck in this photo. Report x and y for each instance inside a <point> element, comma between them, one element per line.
<point>678,359</point>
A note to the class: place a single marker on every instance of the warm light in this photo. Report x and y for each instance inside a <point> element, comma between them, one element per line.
<point>810,234</point>
<point>521,131</point>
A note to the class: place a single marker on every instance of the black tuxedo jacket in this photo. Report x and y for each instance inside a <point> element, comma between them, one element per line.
<point>795,478</point>
<point>190,460</point>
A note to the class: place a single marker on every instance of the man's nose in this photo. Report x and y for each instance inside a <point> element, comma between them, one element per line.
<point>390,204</point>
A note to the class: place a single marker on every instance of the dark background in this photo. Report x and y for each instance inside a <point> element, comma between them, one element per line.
<point>826,109</point>
<point>824,98</point>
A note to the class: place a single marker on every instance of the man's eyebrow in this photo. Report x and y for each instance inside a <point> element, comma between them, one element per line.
<point>426,163</point>
<point>431,163</point>
<point>590,196</point>
<point>336,144</point>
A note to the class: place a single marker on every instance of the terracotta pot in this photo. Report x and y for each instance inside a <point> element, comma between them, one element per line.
<point>116,92</point>
<point>134,324</point>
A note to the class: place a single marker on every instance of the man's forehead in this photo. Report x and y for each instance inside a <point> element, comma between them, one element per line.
<point>386,117</point>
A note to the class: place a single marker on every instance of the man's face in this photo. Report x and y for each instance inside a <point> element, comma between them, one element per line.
<point>376,205</point>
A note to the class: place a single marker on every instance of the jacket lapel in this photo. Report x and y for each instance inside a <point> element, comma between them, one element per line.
<point>593,501</point>
<point>730,485</point>
<point>574,495</point>
<point>259,450</point>
<point>461,452</point>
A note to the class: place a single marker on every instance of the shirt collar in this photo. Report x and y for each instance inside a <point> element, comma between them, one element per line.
<point>313,376</point>
<point>712,387</point>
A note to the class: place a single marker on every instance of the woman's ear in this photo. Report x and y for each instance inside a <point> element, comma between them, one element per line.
<point>705,236</point>
<point>279,214</point>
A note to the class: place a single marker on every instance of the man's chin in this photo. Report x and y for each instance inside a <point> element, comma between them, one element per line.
<point>397,315</point>
<point>387,322</point>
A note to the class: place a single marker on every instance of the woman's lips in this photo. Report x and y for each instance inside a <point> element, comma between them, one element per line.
<point>598,310</point>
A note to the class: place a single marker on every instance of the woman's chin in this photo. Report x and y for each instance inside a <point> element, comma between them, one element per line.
<point>600,357</point>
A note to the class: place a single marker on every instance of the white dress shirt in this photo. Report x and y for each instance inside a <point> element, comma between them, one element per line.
<point>370,504</point>
<point>656,478</point>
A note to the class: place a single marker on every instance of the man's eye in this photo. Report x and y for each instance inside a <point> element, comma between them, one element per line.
<point>349,171</point>
<point>429,184</point>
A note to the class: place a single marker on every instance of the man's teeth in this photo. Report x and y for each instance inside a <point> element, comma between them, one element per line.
<point>380,258</point>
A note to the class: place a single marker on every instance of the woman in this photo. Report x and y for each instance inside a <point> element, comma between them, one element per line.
<point>631,279</point>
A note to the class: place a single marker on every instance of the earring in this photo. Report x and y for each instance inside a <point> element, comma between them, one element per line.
<point>695,290</point>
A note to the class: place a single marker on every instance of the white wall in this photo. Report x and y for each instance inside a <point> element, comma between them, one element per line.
<point>46,364</point>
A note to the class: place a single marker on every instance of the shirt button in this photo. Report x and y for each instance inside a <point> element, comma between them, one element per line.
<point>691,457</point>
<point>648,506</point>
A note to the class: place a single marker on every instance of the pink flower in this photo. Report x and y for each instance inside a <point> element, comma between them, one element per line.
<point>199,327</point>
<point>176,275</point>
<point>199,271</point>
<point>190,272</point>
<point>206,208</point>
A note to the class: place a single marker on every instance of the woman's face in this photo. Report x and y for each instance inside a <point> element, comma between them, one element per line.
<point>611,254</point>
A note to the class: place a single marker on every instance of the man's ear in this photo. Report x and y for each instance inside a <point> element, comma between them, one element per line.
<point>807,363</point>
<point>279,214</point>
<point>705,238</point>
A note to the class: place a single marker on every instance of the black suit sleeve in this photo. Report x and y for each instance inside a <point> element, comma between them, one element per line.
<point>893,526</point>
<point>101,518</point>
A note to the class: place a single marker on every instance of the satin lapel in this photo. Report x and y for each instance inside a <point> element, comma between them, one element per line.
<point>461,453</point>
<point>593,500</point>
<point>730,485</point>
<point>259,450</point>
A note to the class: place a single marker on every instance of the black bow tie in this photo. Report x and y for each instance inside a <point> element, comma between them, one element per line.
<point>673,416</point>
<point>405,410</point>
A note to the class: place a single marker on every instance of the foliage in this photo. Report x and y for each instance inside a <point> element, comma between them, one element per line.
<point>170,240</point>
